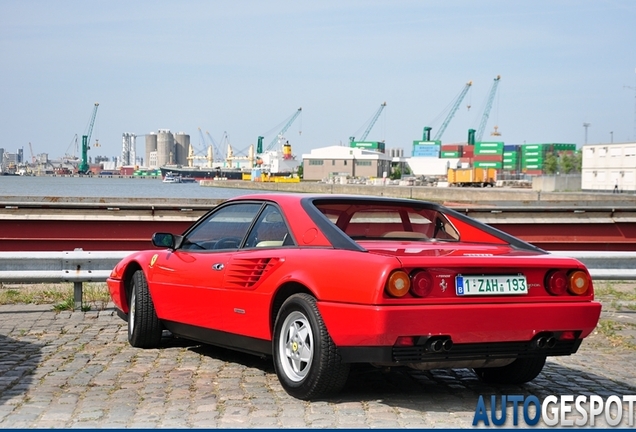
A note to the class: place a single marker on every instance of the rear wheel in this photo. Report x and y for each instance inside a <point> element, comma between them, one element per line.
<point>305,358</point>
<point>520,371</point>
<point>144,328</point>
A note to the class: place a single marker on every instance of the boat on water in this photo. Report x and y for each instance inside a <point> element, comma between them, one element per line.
<point>196,174</point>
<point>171,177</point>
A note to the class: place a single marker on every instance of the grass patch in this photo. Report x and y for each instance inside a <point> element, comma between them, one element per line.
<point>617,291</point>
<point>610,330</point>
<point>60,295</point>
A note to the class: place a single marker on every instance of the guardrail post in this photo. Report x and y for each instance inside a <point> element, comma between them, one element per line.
<point>77,295</point>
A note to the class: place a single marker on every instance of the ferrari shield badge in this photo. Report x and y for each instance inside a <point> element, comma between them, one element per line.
<point>153,259</point>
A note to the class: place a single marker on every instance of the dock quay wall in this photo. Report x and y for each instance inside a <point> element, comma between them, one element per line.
<point>437,194</point>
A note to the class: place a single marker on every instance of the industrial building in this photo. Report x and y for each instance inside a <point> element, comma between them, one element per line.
<point>609,167</point>
<point>335,161</point>
<point>165,148</point>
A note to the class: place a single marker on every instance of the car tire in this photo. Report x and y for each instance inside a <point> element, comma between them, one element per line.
<point>144,328</point>
<point>306,359</point>
<point>520,371</point>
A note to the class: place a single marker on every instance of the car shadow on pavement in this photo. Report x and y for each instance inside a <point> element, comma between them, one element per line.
<point>441,390</point>
<point>18,361</point>
<point>264,363</point>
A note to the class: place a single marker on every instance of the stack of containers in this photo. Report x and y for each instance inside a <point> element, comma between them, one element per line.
<point>451,151</point>
<point>511,159</point>
<point>426,149</point>
<point>561,149</point>
<point>532,157</point>
<point>468,153</point>
<point>488,155</point>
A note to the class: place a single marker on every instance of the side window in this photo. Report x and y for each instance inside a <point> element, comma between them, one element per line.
<point>223,229</point>
<point>270,230</point>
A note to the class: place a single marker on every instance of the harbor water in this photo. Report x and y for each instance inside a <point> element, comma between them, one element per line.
<point>105,187</point>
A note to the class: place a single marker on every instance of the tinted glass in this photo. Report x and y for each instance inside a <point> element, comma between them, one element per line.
<point>223,229</point>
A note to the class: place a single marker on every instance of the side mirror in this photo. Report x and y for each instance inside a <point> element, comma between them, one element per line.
<point>163,240</point>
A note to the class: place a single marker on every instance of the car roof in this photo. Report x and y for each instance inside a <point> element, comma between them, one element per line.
<point>296,197</point>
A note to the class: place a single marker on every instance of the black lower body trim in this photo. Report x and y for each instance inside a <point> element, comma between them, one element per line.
<point>122,315</point>
<point>220,338</point>
<point>458,352</point>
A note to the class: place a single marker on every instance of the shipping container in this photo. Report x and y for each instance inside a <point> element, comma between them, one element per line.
<point>452,147</point>
<point>495,165</point>
<point>378,146</point>
<point>426,150</point>
<point>449,154</point>
<point>475,176</point>
<point>487,158</point>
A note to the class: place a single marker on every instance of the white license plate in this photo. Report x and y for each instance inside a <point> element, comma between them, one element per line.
<point>490,285</point>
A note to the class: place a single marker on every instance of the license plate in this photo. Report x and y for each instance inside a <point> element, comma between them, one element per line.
<point>490,285</point>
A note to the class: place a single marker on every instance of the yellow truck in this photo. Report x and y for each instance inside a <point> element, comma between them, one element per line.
<point>479,177</point>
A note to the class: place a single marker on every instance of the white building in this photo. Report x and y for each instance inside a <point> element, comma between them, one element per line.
<point>332,161</point>
<point>609,166</point>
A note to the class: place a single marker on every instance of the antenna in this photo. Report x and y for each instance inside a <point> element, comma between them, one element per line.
<point>633,88</point>
<point>586,125</point>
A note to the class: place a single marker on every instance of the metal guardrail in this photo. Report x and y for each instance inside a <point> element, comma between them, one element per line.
<point>76,266</point>
<point>81,266</point>
<point>605,265</point>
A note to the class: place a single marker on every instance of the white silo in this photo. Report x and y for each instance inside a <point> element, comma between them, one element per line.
<point>165,148</point>
<point>151,146</point>
<point>182,146</point>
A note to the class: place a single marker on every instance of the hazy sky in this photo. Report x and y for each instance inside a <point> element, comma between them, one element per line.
<point>245,67</point>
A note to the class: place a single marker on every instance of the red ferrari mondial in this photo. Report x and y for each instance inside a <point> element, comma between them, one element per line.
<point>323,282</point>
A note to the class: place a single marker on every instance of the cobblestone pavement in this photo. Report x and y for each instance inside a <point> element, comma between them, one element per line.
<point>76,370</point>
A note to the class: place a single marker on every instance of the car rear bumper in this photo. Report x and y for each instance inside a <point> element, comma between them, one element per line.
<point>369,333</point>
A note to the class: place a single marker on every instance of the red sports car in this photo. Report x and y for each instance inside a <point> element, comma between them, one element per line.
<point>321,283</point>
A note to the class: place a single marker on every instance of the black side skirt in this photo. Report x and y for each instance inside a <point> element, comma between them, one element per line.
<point>220,338</point>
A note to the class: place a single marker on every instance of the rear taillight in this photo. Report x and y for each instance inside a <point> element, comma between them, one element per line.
<point>557,282</point>
<point>398,284</point>
<point>421,284</point>
<point>579,282</point>
<point>560,282</point>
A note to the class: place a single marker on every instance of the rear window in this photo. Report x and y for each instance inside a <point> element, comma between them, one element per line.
<point>377,221</point>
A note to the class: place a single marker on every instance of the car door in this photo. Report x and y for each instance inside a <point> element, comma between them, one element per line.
<point>189,280</point>
<point>250,276</point>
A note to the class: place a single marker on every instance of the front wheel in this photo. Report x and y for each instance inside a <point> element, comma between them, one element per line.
<point>306,359</point>
<point>520,371</point>
<point>144,328</point>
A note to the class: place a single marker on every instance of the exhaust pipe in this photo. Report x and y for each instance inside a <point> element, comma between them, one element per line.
<point>541,342</point>
<point>545,342</point>
<point>439,345</point>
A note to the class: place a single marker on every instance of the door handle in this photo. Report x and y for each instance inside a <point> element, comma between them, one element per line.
<point>218,266</point>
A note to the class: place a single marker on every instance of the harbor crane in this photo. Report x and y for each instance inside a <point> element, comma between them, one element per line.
<point>218,152</point>
<point>486,114</point>
<point>452,111</point>
<point>33,159</point>
<point>259,145</point>
<point>83,167</point>
<point>371,124</point>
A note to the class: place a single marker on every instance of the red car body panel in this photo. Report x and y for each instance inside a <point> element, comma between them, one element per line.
<point>235,291</point>
<point>358,325</point>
